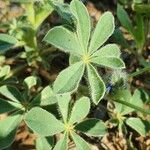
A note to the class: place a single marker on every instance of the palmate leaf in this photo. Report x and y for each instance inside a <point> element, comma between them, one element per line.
<point>108,56</point>
<point>8,128</point>
<point>103,30</point>
<point>97,86</point>
<point>80,143</point>
<point>44,143</point>
<point>43,122</point>
<point>62,143</point>
<point>63,102</point>
<point>83,22</point>
<point>63,39</point>
<point>80,110</point>
<point>92,127</point>
<point>68,80</point>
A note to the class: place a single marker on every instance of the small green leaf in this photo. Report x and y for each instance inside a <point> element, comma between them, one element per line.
<point>124,18</point>
<point>139,32</point>
<point>46,97</point>
<point>4,71</point>
<point>111,62</point>
<point>30,81</point>
<point>109,50</point>
<point>44,143</point>
<point>92,127</point>
<point>11,93</point>
<point>83,22</point>
<point>63,39</point>
<point>79,142</point>
<point>104,29</point>
<point>108,56</point>
<point>63,10</point>
<point>68,80</point>
<point>138,125</point>
<point>8,128</point>
<point>62,144</point>
<point>97,86</point>
<point>6,41</point>
<point>42,122</point>
<point>5,106</point>
<point>80,110</point>
<point>63,102</point>
<point>43,12</point>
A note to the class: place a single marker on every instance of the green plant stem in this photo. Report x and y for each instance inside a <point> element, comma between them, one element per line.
<point>139,72</point>
<point>147,112</point>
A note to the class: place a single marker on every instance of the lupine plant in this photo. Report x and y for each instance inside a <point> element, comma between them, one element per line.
<point>18,104</point>
<point>85,48</point>
<point>72,121</point>
<point>119,116</point>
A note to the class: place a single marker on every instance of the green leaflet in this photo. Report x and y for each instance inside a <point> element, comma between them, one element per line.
<point>92,127</point>
<point>63,102</point>
<point>63,10</point>
<point>8,128</point>
<point>97,86</point>
<point>108,56</point>
<point>44,143</point>
<point>4,71</point>
<point>79,142</point>
<point>11,93</point>
<point>124,18</point>
<point>62,144</point>
<point>138,125</point>
<point>103,30</point>
<point>42,122</point>
<point>83,22</point>
<point>139,32</point>
<point>6,41</point>
<point>42,14</point>
<point>109,50</point>
<point>63,39</point>
<point>80,110</point>
<point>46,97</point>
<point>68,80</point>
<point>111,62</point>
<point>30,82</point>
<point>5,106</point>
